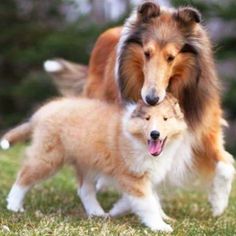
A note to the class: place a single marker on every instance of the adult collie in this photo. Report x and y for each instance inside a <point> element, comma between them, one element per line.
<point>159,50</point>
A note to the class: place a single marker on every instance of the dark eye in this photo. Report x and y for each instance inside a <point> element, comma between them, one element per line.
<point>170,58</point>
<point>147,55</point>
<point>147,117</point>
<point>165,118</point>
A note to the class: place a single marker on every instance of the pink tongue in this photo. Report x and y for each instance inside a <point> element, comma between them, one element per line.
<point>154,147</point>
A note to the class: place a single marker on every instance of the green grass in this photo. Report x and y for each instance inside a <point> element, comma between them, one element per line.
<point>53,208</point>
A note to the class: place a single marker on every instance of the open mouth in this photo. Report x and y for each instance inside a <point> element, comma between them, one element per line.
<point>155,147</point>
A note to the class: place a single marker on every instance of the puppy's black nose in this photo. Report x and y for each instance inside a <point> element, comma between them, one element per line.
<point>152,100</point>
<point>155,134</point>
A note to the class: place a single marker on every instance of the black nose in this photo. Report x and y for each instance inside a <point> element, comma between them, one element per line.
<point>152,100</point>
<point>155,134</point>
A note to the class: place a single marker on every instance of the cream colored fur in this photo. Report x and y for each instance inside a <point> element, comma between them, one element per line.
<point>102,140</point>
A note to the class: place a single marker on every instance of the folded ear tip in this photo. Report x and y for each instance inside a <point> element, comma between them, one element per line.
<point>149,4</point>
<point>189,14</point>
<point>197,15</point>
<point>149,10</point>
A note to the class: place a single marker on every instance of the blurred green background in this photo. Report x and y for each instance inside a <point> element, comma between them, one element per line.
<point>34,31</point>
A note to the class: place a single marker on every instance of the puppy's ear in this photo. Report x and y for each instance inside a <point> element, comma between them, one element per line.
<point>170,97</point>
<point>173,102</point>
<point>139,110</point>
<point>140,103</point>
<point>188,15</point>
<point>148,11</point>
<point>178,111</point>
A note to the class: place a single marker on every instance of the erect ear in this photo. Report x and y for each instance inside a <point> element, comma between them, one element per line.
<point>178,110</point>
<point>170,98</point>
<point>148,10</point>
<point>188,15</point>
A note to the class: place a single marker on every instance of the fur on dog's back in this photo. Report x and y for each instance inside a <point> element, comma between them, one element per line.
<point>75,116</point>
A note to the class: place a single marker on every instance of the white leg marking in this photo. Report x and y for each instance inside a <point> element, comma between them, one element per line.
<point>87,193</point>
<point>16,197</point>
<point>121,207</point>
<point>52,66</point>
<point>5,144</point>
<point>149,210</point>
<point>221,187</point>
<point>102,184</point>
<point>163,214</point>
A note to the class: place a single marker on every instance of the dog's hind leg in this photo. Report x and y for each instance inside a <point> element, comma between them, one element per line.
<point>221,186</point>
<point>87,193</point>
<point>38,166</point>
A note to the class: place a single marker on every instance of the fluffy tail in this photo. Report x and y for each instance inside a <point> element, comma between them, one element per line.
<point>69,77</point>
<point>19,133</point>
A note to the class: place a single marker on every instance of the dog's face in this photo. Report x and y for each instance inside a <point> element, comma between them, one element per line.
<point>155,126</point>
<point>158,65</point>
<point>159,50</point>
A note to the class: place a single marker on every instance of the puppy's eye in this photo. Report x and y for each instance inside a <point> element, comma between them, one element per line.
<point>165,118</point>
<point>147,55</point>
<point>147,117</point>
<point>170,58</point>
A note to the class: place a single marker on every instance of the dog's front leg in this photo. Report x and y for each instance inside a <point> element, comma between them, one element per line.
<point>87,193</point>
<point>121,207</point>
<point>221,186</point>
<point>148,208</point>
<point>163,214</point>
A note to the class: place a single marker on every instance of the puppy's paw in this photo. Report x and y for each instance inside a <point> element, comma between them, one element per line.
<point>11,206</point>
<point>162,227</point>
<point>158,225</point>
<point>168,218</point>
<point>97,213</point>
<point>106,215</point>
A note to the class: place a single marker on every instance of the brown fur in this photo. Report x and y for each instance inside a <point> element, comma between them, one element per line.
<point>190,76</point>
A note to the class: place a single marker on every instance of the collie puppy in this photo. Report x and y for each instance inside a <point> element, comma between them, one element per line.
<point>159,50</point>
<point>134,147</point>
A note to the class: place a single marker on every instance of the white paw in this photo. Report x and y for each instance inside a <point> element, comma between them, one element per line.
<point>52,66</point>
<point>15,207</point>
<point>115,214</point>
<point>219,209</point>
<point>168,218</point>
<point>97,212</point>
<point>163,227</point>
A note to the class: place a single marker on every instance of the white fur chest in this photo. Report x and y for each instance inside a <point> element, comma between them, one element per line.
<point>157,167</point>
<point>182,165</point>
<point>160,167</point>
